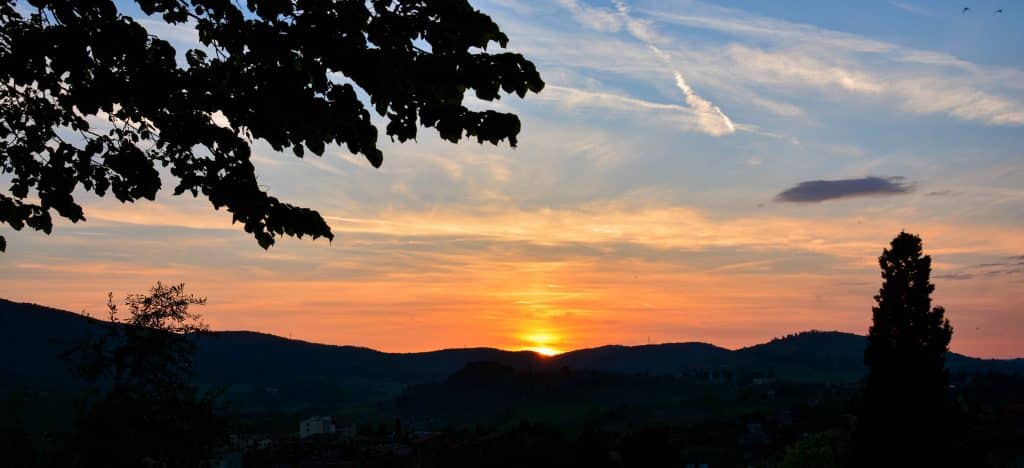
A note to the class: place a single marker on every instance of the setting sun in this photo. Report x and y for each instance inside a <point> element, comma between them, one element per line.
<point>541,342</point>
<point>544,350</point>
<point>525,233</point>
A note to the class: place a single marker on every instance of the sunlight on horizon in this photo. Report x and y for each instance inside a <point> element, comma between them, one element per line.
<point>724,176</point>
<point>542,342</point>
<point>544,351</point>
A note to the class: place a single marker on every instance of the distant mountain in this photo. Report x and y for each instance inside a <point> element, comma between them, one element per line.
<point>809,356</point>
<point>647,359</point>
<point>814,355</point>
<point>32,336</point>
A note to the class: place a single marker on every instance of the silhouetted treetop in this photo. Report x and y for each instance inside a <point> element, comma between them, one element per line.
<point>906,415</point>
<point>146,410</point>
<point>906,331</point>
<point>150,346</point>
<point>91,98</point>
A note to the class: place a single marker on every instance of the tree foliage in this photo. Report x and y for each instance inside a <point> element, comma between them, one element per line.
<point>820,450</point>
<point>906,416</point>
<point>148,411</point>
<point>91,99</point>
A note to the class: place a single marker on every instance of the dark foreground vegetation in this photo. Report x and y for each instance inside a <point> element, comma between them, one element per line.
<point>152,387</point>
<point>489,414</point>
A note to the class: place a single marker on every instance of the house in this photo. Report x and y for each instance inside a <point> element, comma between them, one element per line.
<point>315,426</point>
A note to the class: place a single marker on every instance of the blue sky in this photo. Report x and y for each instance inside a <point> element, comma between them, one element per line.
<point>643,200</point>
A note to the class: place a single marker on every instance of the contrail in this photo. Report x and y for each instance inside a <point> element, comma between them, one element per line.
<point>710,117</point>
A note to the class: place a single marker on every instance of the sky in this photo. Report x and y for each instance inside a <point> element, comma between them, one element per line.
<point>694,171</point>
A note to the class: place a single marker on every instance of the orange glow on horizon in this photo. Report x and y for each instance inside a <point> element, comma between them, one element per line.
<point>544,351</point>
<point>541,342</point>
<point>547,281</point>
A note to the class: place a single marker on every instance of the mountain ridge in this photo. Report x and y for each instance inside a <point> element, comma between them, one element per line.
<point>36,334</point>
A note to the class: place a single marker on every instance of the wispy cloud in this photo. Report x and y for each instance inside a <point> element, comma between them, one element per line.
<point>1012,266</point>
<point>573,97</point>
<point>798,55</point>
<point>710,118</point>
<point>815,191</point>
<point>600,19</point>
<point>911,8</point>
<point>388,278</point>
<point>616,217</point>
<point>699,115</point>
<point>787,67</point>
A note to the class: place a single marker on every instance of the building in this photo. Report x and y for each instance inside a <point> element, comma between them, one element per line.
<point>315,426</point>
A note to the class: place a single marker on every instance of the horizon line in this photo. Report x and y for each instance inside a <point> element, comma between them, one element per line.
<point>495,348</point>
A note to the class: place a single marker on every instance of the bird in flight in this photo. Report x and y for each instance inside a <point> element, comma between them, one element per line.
<point>999,11</point>
<point>965,10</point>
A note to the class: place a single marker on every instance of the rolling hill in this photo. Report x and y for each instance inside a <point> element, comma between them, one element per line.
<point>32,336</point>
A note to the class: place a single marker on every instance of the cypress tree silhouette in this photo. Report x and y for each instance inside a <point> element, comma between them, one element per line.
<point>906,415</point>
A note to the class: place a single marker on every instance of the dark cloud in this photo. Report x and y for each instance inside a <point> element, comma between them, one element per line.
<point>1005,272</point>
<point>814,191</point>
<point>1013,266</point>
<point>943,193</point>
<point>1014,261</point>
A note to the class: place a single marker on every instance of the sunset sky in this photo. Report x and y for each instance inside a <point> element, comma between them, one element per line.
<point>694,171</point>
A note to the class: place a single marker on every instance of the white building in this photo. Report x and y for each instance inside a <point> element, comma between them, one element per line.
<point>316,425</point>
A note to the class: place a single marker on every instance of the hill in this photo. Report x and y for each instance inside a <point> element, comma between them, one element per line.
<point>32,336</point>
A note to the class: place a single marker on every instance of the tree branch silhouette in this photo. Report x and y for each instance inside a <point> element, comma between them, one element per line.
<point>288,73</point>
